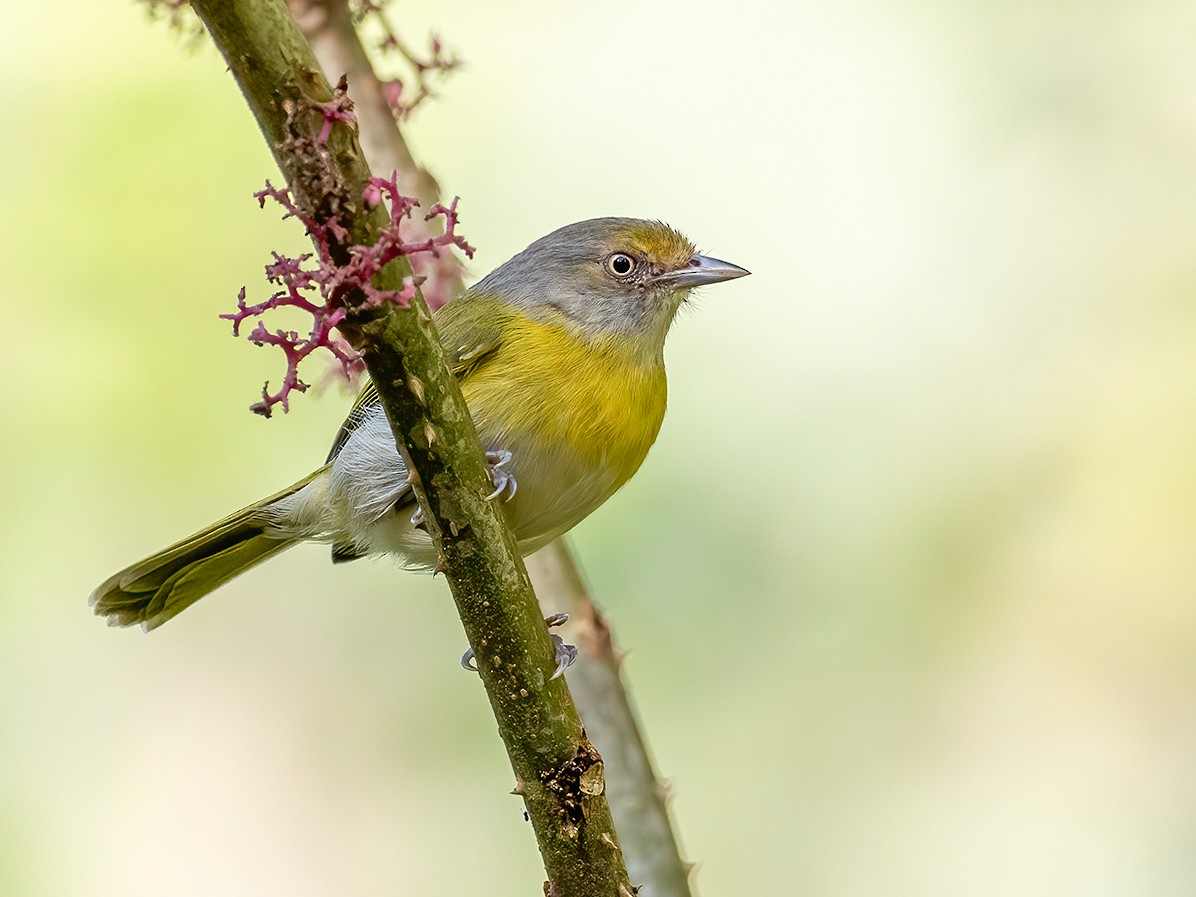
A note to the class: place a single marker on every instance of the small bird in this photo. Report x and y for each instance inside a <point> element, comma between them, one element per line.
<point>560,357</point>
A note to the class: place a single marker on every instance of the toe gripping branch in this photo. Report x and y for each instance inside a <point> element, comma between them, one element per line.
<point>565,654</point>
<point>504,481</point>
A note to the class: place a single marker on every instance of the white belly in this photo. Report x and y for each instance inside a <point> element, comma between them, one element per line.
<point>364,500</point>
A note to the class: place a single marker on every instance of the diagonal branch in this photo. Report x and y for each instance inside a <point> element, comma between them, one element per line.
<point>558,772</point>
<point>637,796</point>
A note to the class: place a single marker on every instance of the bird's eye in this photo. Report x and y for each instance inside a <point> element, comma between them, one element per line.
<point>620,264</point>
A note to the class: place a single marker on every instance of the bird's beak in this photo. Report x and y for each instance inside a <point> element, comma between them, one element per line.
<point>702,270</point>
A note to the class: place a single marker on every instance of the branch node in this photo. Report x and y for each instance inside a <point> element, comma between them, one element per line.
<point>573,783</point>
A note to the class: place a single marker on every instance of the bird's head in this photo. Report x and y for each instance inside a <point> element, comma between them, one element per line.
<point>609,277</point>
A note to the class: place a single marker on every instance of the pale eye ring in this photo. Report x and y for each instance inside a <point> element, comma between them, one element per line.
<point>620,264</point>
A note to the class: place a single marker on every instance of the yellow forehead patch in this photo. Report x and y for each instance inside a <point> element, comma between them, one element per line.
<point>660,244</point>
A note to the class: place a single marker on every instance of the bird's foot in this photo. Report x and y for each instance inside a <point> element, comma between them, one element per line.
<point>565,654</point>
<point>504,481</point>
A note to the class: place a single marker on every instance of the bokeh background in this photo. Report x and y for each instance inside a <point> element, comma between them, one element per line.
<point>907,581</point>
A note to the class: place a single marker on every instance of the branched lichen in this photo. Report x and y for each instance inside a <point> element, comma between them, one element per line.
<point>316,284</point>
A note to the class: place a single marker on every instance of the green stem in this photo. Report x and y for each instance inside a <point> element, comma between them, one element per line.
<point>557,771</point>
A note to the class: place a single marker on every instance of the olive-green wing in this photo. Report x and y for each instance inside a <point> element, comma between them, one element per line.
<point>468,343</point>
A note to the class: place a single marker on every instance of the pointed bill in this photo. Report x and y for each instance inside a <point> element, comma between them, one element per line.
<point>702,270</point>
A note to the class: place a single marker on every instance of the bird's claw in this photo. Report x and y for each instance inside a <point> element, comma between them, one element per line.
<point>504,481</point>
<point>565,654</point>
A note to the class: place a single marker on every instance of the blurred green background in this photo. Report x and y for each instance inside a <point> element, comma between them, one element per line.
<point>907,581</point>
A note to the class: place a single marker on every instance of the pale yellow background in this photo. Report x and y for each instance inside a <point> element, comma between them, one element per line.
<point>907,580</point>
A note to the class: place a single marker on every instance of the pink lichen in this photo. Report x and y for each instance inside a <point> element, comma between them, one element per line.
<point>339,108</point>
<point>317,285</point>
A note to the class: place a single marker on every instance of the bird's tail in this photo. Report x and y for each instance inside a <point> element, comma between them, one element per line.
<point>153,590</point>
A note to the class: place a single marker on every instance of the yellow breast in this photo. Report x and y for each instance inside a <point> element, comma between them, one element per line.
<point>600,399</point>
<point>577,413</point>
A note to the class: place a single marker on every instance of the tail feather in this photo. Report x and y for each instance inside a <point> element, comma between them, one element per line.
<point>158,588</point>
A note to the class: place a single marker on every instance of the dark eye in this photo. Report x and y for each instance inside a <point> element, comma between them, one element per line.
<point>620,264</point>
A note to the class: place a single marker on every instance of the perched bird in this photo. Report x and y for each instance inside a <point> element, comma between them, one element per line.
<point>560,356</point>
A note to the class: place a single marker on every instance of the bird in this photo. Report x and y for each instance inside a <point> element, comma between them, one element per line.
<point>559,353</point>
